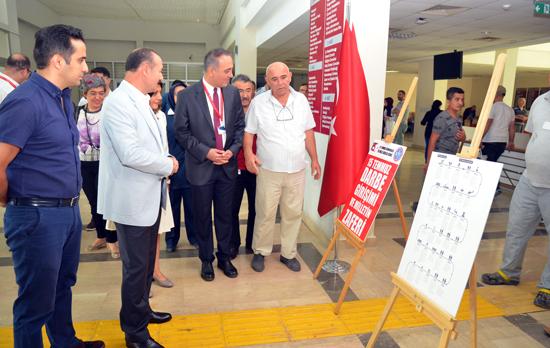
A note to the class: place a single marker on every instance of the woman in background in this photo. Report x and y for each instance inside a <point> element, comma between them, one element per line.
<point>428,121</point>
<point>88,122</point>
<point>387,120</point>
<point>166,219</point>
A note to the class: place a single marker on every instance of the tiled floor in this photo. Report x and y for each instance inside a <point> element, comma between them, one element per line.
<point>279,308</point>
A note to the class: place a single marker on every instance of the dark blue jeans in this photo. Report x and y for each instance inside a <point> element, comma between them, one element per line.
<point>45,246</point>
<point>176,196</point>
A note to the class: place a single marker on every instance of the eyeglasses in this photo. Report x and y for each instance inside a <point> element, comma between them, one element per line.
<point>95,94</point>
<point>284,113</point>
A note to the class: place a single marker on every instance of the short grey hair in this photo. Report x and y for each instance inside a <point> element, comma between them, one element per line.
<point>211,58</point>
<point>91,81</point>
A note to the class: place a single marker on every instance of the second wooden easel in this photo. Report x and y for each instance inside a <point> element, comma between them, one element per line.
<point>350,237</point>
<point>445,321</point>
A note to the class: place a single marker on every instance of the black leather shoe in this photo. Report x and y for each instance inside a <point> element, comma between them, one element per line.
<point>228,269</point>
<point>159,317</point>
<point>91,344</point>
<point>233,253</point>
<point>150,343</point>
<point>207,271</point>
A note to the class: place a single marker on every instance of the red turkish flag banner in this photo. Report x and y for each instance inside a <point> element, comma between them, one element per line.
<point>350,132</point>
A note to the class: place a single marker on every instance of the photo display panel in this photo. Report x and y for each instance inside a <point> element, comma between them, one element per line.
<point>448,225</point>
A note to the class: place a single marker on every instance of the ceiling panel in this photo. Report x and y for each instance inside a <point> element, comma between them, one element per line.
<point>190,11</point>
<point>446,33</point>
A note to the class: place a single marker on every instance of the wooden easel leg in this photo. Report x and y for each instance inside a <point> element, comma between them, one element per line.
<point>351,272</point>
<point>473,306</point>
<point>327,253</point>
<point>382,321</point>
<point>400,208</point>
<point>445,338</point>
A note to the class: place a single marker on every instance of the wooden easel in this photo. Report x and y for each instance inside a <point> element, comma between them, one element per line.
<point>351,238</point>
<point>389,139</point>
<point>445,321</point>
<point>340,228</point>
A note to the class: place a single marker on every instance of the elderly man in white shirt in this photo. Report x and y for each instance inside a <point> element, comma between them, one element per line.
<point>16,71</point>
<point>283,123</point>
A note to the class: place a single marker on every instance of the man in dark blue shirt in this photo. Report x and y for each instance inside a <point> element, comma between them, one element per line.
<point>40,183</point>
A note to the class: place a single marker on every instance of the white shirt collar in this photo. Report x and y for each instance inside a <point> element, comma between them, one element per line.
<point>209,87</point>
<point>10,79</point>
<point>289,101</point>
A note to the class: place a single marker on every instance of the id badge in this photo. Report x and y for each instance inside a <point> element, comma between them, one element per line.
<point>221,130</point>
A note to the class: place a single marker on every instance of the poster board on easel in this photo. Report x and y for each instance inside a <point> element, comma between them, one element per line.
<point>364,202</point>
<point>348,222</point>
<point>440,253</point>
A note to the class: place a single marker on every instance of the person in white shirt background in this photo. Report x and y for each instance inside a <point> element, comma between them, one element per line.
<point>16,71</point>
<point>500,130</point>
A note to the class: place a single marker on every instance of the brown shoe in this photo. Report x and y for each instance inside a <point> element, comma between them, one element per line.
<point>115,252</point>
<point>546,330</point>
<point>97,245</point>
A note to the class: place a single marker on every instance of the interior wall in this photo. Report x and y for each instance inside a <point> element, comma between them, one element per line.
<point>178,51</point>
<point>26,33</point>
<point>479,92</point>
<point>397,81</point>
<point>113,39</point>
<point>108,50</point>
<point>532,80</point>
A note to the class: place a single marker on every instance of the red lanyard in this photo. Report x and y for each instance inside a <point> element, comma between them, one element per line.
<point>214,107</point>
<point>8,81</point>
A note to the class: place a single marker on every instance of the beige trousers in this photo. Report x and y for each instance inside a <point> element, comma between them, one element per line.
<point>286,190</point>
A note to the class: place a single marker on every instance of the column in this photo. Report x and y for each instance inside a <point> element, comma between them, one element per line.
<point>245,50</point>
<point>427,91</point>
<point>509,75</point>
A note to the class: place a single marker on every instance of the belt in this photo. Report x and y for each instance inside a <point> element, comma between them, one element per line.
<point>44,202</point>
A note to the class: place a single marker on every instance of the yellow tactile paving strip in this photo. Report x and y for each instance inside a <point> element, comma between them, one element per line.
<point>286,324</point>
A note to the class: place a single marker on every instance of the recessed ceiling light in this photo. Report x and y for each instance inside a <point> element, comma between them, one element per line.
<point>401,35</point>
<point>506,7</point>
<point>421,20</point>
<point>444,10</point>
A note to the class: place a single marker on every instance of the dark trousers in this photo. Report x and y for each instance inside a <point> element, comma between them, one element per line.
<point>90,176</point>
<point>219,190</point>
<point>245,181</point>
<point>138,247</point>
<point>177,195</point>
<point>493,150</point>
<point>45,247</point>
<point>427,142</point>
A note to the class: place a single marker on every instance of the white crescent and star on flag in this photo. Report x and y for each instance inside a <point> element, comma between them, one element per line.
<point>333,121</point>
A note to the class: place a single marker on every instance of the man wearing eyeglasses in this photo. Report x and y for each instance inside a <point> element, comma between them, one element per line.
<point>283,123</point>
<point>16,71</point>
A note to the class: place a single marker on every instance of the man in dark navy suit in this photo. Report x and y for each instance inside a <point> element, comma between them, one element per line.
<point>209,125</point>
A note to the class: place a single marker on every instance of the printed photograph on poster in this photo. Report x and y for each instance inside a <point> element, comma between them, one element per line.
<point>447,227</point>
<point>371,186</point>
